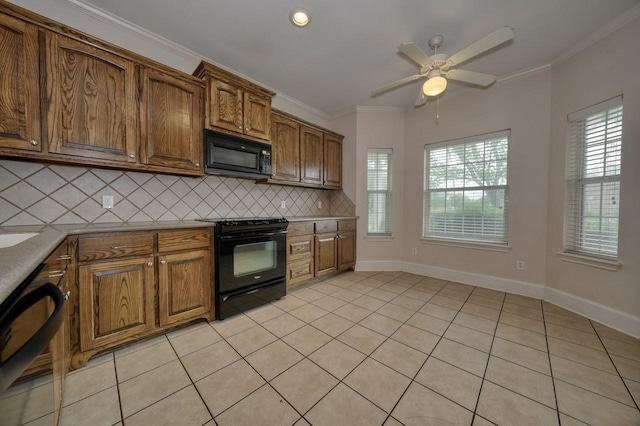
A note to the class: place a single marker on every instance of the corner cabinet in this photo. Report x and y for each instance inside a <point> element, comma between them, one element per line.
<point>318,248</point>
<point>20,93</point>
<point>304,155</point>
<point>234,104</point>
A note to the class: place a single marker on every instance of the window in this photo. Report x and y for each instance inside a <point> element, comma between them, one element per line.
<point>593,180</point>
<point>466,189</point>
<point>379,191</point>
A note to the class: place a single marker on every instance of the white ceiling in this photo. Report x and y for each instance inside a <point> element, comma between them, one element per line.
<point>350,47</point>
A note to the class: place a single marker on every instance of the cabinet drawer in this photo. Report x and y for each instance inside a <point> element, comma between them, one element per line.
<point>184,239</point>
<point>346,225</point>
<point>98,247</point>
<point>326,226</point>
<point>300,228</point>
<point>299,247</point>
<point>299,272</point>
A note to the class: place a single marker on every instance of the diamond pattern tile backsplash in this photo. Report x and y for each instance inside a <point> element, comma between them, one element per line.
<point>34,194</point>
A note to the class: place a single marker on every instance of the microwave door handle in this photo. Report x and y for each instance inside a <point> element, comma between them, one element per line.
<point>17,363</point>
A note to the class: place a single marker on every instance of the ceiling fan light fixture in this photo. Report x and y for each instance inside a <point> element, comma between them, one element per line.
<point>299,17</point>
<point>434,85</point>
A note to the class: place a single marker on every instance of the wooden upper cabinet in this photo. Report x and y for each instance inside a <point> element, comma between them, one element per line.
<point>171,121</point>
<point>19,85</point>
<point>225,107</point>
<point>285,141</point>
<point>91,106</point>
<point>257,116</point>
<point>311,155</point>
<point>234,104</point>
<point>332,161</point>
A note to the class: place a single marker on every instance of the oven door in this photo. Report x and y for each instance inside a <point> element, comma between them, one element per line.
<point>250,259</point>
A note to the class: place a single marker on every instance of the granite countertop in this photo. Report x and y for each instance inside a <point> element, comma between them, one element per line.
<point>17,262</point>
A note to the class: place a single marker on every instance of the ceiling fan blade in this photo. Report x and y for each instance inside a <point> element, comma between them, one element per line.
<point>473,77</point>
<point>494,39</point>
<point>415,54</point>
<point>395,84</point>
<point>421,99</point>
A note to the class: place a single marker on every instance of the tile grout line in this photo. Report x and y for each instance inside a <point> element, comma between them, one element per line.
<point>553,382</point>
<point>486,367</point>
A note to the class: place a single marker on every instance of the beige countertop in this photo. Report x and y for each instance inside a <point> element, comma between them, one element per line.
<point>17,262</point>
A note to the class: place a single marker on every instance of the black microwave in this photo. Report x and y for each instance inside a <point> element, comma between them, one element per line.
<point>230,155</point>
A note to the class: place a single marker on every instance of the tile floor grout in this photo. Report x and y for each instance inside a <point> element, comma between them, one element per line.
<point>450,289</point>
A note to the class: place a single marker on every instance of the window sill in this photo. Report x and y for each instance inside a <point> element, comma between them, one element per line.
<point>609,265</point>
<point>379,238</point>
<point>467,244</point>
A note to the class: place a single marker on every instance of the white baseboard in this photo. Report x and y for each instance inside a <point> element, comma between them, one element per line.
<point>486,281</point>
<point>618,320</point>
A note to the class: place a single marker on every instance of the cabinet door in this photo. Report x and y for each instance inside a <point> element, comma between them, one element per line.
<point>311,155</point>
<point>225,110</point>
<point>285,141</point>
<point>116,301</point>
<point>332,161</point>
<point>346,250</point>
<point>257,116</point>
<point>325,254</point>
<point>91,104</point>
<point>185,283</point>
<point>299,272</point>
<point>19,85</point>
<point>171,121</point>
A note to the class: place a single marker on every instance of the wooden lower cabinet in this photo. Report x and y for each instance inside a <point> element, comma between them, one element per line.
<point>325,254</point>
<point>116,301</point>
<point>183,293</point>
<point>346,250</point>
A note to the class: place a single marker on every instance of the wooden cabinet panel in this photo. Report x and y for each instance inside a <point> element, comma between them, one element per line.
<point>19,85</point>
<point>98,247</point>
<point>299,247</point>
<point>184,239</point>
<point>116,301</point>
<point>325,254</point>
<point>257,116</point>
<point>325,226</point>
<point>171,121</point>
<point>299,271</point>
<point>347,225</point>
<point>184,286</point>
<point>332,161</point>
<point>226,106</point>
<point>91,105</point>
<point>346,250</point>
<point>300,228</point>
<point>285,141</point>
<point>311,155</point>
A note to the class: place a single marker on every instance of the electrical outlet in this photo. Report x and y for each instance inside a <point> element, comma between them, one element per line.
<point>520,265</point>
<point>107,201</point>
<point>283,204</point>
<point>319,204</point>
<point>414,251</point>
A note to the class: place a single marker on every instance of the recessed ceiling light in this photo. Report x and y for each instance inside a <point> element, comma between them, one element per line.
<point>299,17</point>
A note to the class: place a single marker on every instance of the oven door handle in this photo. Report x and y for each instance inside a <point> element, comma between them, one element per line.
<point>14,366</point>
<point>251,235</point>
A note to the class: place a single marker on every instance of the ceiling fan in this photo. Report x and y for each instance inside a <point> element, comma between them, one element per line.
<point>439,67</point>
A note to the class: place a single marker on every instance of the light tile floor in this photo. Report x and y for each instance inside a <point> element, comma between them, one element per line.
<point>370,349</point>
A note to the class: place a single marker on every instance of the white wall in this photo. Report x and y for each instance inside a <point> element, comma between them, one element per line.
<point>607,69</point>
<point>380,128</point>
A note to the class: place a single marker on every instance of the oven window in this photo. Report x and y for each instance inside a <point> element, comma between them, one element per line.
<point>235,157</point>
<point>253,258</point>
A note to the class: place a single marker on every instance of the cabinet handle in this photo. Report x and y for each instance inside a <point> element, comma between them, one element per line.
<point>132,156</point>
<point>119,247</point>
<point>64,257</point>
<point>187,240</point>
<point>33,142</point>
<point>58,273</point>
<point>198,164</point>
<point>247,129</point>
<point>163,262</point>
<point>67,294</point>
<point>150,264</point>
<point>240,128</point>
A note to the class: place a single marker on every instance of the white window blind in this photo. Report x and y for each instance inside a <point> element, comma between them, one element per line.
<point>379,191</point>
<point>593,180</point>
<point>466,188</point>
